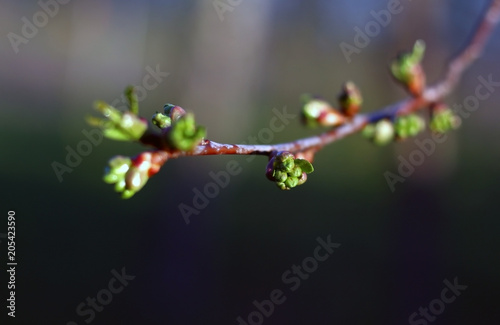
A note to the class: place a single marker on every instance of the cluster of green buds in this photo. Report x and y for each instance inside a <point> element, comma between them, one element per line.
<point>409,126</point>
<point>407,69</point>
<point>287,171</point>
<point>443,119</point>
<point>385,131</point>
<point>117,125</point>
<point>318,112</point>
<point>130,174</point>
<point>350,99</point>
<point>381,133</point>
<point>179,127</point>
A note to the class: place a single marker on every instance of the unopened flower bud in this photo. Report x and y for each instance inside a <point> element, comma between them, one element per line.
<point>317,112</point>
<point>161,120</point>
<point>173,111</point>
<point>381,133</point>
<point>443,119</point>
<point>284,161</point>
<point>287,171</point>
<point>407,69</point>
<point>302,179</point>
<point>291,182</point>
<point>350,99</point>
<point>280,176</point>
<point>409,125</point>
<point>130,175</point>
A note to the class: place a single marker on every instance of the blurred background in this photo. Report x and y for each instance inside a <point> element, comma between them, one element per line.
<point>232,63</point>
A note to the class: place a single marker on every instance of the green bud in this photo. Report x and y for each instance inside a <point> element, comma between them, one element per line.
<point>350,99</point>
<point>108,111</point>
<point>407,69</point>
<point>317,112</point>
<point>184,134</point>
<point>383,132</point>
<point>161,120</point>
<point>120,164</point>
<point>312,110</point>
<point>133,125</point>
<point>444,120</point>
<point>280,176</point>
<point>282,186</point>
<point>302,179</point>
<point>287,171</point>
<point>109,177</point>
<point>409,126</point>
<point>402,67</point>
<point>287,165</point>
<point>120,185</point>
<point>118,167</point>
<point>291,182</point>
<point>136,178</point>
<point>115,134</point>
<point>295,172</point>
<point>127,194</point>
<point>130,175</point>
<point>416,124</point>
<point>285,161</point>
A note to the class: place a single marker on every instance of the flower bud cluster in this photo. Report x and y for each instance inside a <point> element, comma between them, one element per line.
<point>130,174</point>
<point>180,127</point>
<point>409,126</point>
<point>287,171</point>
<point>443,120</point>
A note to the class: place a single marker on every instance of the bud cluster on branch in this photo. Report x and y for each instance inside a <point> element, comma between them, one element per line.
<point>290,163</point>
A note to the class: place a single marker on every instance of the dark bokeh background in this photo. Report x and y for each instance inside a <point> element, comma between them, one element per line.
<point>397,247</point>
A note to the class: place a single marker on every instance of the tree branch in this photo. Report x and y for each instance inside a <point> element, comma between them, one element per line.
<point>290,162</point>
<point>430,95</point>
